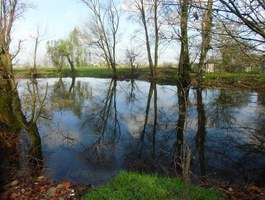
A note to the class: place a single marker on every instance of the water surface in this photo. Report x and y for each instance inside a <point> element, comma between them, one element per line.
<point>93,128</point>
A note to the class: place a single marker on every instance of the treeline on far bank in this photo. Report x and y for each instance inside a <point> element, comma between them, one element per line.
<point>165,75</point>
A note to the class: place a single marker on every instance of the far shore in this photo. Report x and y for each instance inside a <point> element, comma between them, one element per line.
<point>165,75</point>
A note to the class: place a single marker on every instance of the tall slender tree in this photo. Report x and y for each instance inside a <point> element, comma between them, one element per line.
<point>184,66</point>
<point>38,38</point>
<point>147,14</point>
<point>206,31</point>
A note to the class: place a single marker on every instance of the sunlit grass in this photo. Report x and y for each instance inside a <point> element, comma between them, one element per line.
<point>132,186</point>
<point>250,80</point>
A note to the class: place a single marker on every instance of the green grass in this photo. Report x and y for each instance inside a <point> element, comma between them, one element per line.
<point>43,72</point>
<point>233,75</point>
<point>250,81</point>
<point>134,186</point>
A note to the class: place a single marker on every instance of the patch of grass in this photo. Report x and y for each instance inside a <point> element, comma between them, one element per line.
<point>250,80</point>
<point>133,186</point>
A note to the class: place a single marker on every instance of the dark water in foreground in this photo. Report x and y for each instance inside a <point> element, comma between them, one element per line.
<point>93,128</point>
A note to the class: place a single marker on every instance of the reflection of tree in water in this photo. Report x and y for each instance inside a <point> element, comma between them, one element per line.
<point>180,153</point>
<point>234,147</point>
<point>201,132</point>
<point>225,105</point>
<point>261,98</point>
<point>151,134</point>
<point>152,93</point>
<point>131,94</point>
<point>142,154</point>
<point>70,95</point>
<point>102,121</point>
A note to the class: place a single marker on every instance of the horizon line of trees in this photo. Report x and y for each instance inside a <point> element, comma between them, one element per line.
<point>226,33</point>
<point>231,32</point>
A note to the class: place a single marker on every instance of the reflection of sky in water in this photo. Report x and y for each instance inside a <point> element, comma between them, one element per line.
<point>74,147</point>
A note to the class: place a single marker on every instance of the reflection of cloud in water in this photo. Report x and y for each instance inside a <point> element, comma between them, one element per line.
<point>64,131</point>
<point>135,124</point>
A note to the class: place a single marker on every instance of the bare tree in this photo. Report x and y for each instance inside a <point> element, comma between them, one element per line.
<point>249,12</point>
<point>247,17</point>
<point>37,38</point>
<point>9,12</point>
<point>147,14</point>
<point>133,55</point>
<point>102,30</point>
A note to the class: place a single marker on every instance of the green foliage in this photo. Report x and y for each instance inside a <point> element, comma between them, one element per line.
<point>68,51</point>
<point>55,53</point>
<point>128,185</point>
<point>235,56</point>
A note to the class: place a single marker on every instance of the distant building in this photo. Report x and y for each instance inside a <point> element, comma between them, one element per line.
<point>209,67</point>
<point>248,69</point>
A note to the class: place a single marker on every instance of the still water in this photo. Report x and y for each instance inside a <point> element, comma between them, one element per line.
<point>93,128</point>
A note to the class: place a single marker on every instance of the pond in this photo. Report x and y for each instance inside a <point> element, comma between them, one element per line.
<point>93,128</point>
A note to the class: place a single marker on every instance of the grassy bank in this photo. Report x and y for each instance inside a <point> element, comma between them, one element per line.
<point>250,81</point>
<point>129,185</point>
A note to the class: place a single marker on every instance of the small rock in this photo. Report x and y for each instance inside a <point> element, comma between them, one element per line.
<point>51,192</point>
<point>71,194</point>
<point>14,183</point>
<point>59,186</point>
<point>230,189</point>
<point>67,184</point>
<point>41,189</point>
<point>40,179</point>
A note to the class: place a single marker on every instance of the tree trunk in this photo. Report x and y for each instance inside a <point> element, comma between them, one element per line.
<point>7,89</point>
<point>206,40</point>
<point>8,118</point>
<point>71,64</point>
<point>184,60</point>
<point>147,40</point>
<point>156,36</point>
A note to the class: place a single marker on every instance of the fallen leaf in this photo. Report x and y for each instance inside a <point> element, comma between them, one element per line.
<point>41,189</point>
<point>254,189</point>
<point>66,184</point>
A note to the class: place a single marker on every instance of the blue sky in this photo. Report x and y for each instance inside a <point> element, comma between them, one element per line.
<point>58,17</point>
<point>55,18</point>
